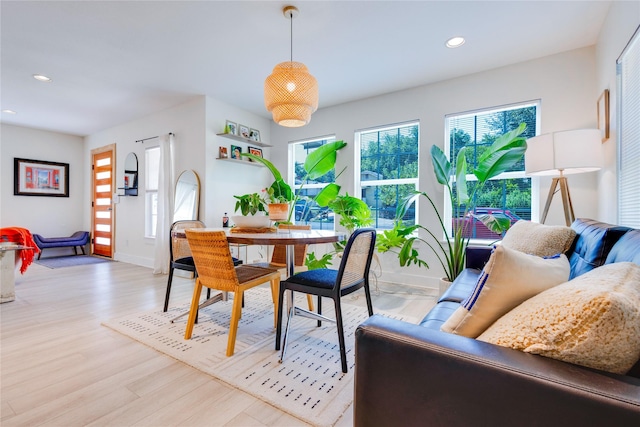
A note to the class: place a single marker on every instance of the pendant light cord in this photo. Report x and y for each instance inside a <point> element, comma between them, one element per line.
<point>291,36</point>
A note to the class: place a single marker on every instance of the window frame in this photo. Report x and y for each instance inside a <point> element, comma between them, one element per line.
<point>357,163</point>
<point>150,194</point>
<point>291,176</point>
<point>628,151</point>
<point>535,181</point>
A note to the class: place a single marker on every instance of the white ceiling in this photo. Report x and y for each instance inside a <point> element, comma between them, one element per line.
<point>114,61</point>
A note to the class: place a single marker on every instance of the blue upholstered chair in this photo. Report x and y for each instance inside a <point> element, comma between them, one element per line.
<point>352,275</point>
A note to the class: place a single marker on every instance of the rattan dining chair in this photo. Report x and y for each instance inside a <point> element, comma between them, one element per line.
<point>180,254</point>
<point>352,275</point>
<point>213,260</point>
<point>279,256</point>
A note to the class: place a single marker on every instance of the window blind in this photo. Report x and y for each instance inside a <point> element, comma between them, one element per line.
<point>628,73</point>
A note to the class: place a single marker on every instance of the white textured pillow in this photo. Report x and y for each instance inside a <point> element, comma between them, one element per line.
<point>593,320</point>
<point>539,239</point>
<point>508,278</point>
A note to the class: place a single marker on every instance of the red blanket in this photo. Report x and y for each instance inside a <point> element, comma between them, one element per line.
<point>21,236</point>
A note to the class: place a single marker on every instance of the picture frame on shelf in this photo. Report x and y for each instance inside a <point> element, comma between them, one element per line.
<point>235,152</point>
<point>603,114</point>
<point>254,135</point>
<point>231,128</point>
<point>223,154</point>
<point>40,178</point>
<point>243,131</point>
<point>255,151</point>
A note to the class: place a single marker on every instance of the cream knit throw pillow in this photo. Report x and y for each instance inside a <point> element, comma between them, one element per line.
<point>539,239</point>
<point>592,320</point>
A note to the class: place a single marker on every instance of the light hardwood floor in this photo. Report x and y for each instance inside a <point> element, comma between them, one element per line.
<point>60,367</point>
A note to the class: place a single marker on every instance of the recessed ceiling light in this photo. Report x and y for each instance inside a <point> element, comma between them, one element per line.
<point>41,78</point>
<point>454,42</point>
<point>9,111</point>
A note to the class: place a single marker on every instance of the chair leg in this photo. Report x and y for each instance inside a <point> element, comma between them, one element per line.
<point>193,311</point>
<point>343,348</point>
<point>166,298</point>
<point>319,309</point>
<point>292,310</point>
<point>310,301</point>
<point>83,252</point>
<point>235,318</point>
<point>275,290</point>
<point>281,292</point>
<point>75,250</point>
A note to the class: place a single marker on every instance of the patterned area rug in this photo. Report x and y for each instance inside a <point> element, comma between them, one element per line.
<point>309,384</point>
<point>70,261</point>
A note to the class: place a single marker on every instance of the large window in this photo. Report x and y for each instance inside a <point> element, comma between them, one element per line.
<point>306,211</point>
<point>510,192</point>
<point>388,170</point>
<point>628,70</point>
<point>152,174</point>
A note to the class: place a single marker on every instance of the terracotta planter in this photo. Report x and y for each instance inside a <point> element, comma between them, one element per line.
<point>278,211</point>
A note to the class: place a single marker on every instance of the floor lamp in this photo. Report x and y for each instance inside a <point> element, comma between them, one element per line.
<point>560,154</point>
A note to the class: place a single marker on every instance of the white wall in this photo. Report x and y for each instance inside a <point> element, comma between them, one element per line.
<point>565,84</point>
<point>187,122</point>
<point>226,179</point>
<point>48,216</point>
<point>621,22</point>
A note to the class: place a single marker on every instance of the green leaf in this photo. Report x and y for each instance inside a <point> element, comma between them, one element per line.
<point>327,194</point>
<point>502,155</point>
<point>461,177</point>
<point>282,190</point>
<point>497,223</point>
<point>323,159</point>
<point>274,170</point>
<point>441,165</point>
<point>406,202</point>
<point>313,263</point>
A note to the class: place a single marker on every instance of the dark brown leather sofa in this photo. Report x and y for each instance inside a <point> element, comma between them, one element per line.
<point>416,375</point>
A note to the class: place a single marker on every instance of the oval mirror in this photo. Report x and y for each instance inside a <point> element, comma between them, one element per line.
<point>131,175</point>
<point>187,197</point>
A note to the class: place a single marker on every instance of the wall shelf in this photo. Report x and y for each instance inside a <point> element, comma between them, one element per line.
<point>243,139</point>
<point>244,162</point>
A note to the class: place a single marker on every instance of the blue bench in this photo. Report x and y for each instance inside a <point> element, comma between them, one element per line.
<point>79,238</point>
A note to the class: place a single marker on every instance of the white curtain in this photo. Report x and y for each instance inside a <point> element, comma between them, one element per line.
<point>166,181</point>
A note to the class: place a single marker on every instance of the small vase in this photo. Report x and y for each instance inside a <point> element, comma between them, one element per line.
<point>278,211</point>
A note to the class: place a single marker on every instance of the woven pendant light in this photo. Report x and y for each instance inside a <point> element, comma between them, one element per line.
<point>290,92</point>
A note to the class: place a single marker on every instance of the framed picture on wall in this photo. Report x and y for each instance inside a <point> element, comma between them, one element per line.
<point>235,152</point>
<point>254,135</point>
<point>255,151</point>
<point>231,128</point>
<point>603,114</point>
<point>244,131</point>
<point>40,178</point>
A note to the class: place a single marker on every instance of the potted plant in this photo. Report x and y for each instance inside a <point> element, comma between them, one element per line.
<point>504,153</point>
<point>317,164</point>
<point>253,210</point>
<point>278,207</point>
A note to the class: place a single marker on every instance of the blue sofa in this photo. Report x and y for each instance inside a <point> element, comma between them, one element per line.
<point>408,374</point>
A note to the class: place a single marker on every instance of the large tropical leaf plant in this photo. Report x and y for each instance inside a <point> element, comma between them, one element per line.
<point>502,155</point>
<point>317,164</point>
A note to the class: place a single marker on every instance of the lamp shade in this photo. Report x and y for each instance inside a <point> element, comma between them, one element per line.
<point>291,94</point>
<point>568,152</point>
